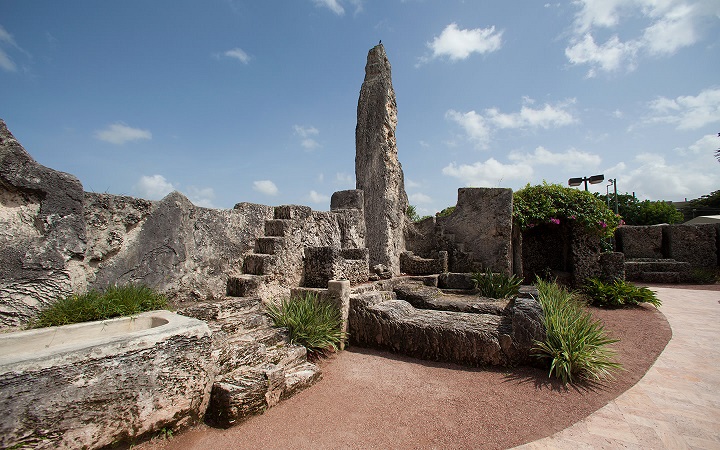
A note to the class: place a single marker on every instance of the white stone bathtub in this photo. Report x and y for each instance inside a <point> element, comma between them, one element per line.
<point>95,383</point>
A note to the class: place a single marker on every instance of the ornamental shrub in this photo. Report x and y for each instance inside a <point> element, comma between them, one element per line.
<point>618,293</point>
<point>576,346</point>
<point>496,285</point>
<point>115,301</point>
<point>554,204</point>
<point>312,322</point>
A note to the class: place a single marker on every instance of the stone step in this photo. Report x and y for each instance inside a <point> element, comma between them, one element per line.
<point>259,264</point>
<point>660,277</point>
<point>223,308</point>
<point>248,391</point>
<point>292,212</point>
<point>278,227</point>
<point>269,245</point>
<point>634,268</point>
<point>300,377</point>
<point>236,398</point>
<point>246,285</point>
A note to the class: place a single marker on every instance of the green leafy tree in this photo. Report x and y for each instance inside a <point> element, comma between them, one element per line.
<point>554,203</point>
<point>412,214</point>
<point>705,205</point>
<point>646,212</point>
<point>445,212</point>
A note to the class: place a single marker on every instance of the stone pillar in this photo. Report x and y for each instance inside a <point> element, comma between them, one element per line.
<point>377,169</point>
<point>339,292</point>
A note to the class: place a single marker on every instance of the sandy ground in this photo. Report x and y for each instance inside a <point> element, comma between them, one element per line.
<point>373,399</point>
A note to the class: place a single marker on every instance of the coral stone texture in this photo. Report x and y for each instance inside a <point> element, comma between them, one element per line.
<point>377,169</point>
<point>42,232</point>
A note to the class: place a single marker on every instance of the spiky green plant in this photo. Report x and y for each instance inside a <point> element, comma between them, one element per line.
<point>496,285</point>
<point>618,293</point>
<point>312,322</point>
<point>115,301</point>
<point>575,345</point>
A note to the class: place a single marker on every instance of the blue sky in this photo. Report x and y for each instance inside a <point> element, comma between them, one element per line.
<point>236,101</point>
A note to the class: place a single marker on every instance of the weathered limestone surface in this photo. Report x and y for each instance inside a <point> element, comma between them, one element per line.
<point>477,235</point>
<point>640,241</point>
<point>415,265</point>
<point>92,396</point>
<point>175,247</point>
<point>42,232</point>
<point>257,366</point>
<point>694,244</point>
<point>323,264</point>
<point>377,169</point>
<point>496,333</point>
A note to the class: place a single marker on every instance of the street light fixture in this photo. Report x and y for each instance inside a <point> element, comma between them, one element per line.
<point>613,183</point>
<point>595,179</point>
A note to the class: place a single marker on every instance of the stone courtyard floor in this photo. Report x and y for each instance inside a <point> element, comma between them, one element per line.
<point>372,399</point>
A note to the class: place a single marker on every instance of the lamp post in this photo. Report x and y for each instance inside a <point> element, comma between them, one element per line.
<point>595,179</point>
<point>613,183</point>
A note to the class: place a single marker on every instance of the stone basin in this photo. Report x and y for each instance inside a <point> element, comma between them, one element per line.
<point>91,384</point>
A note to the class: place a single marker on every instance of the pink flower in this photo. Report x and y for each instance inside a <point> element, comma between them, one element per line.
<point>572,217</point>
<point>555,221</point>
<point>602,224</point>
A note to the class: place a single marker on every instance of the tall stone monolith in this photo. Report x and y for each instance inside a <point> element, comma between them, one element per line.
<point>377,169</point>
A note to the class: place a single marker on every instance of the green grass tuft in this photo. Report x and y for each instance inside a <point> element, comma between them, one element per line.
<point>576,345</point>
<point>497,285</point>
<point>618,293</point>
<point>311,322</point>
<point>115,301</point>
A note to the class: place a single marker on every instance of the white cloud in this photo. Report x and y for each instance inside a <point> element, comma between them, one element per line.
<point>663,27</point>
<point>654,178</point>
<point>706,145</point>
<point>687,112</point>
<point>201,196</point>
<point>266,187</point>
<point>474,125</point>
<point>306,141</point>
<point>239,54</point>
<point>153,187</point>
<point>609,57</point>
<point>419,198</point>
<point>546,117</point>
<point>315,197</point>
<point>411,184</point>
<point>572,159</point>
<point>332,5</point>
<point>6,63</point>
<point>490,173</point>
<point>479,127</point>
<point>119,133</point>
<point>345,179</point>
<point>457,44</point>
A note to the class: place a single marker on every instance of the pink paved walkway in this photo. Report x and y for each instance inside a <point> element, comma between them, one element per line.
<point>677,404</point>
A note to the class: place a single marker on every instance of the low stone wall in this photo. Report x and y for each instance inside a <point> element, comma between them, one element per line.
<point>323,264</point>
<point>499,336</point>
<point>415,265</point>
<point>640,241</point>
<point>698,245</point>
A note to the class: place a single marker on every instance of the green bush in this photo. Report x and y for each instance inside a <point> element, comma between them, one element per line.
<point>496,285</point>
<point>554,204</point>
<point>311,322</point>
<point>115,301</point>
<point>617,293</point>
<point>575,345</point>
<point>705,276</point>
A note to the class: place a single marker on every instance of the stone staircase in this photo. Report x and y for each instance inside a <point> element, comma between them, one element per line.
<point>272,253</point>
<point>651,270</point>
<point>257,366</point>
